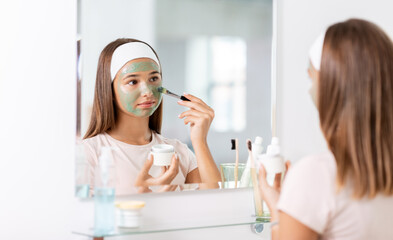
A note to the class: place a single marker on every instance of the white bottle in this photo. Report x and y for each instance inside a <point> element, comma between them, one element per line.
<point>272,160</point>
<point>257,149</point>
<point>273,163</point>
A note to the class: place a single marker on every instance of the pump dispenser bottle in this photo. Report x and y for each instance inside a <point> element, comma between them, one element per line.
<point>104,194</point>
<point>273,163</point>
<point>272,160</point>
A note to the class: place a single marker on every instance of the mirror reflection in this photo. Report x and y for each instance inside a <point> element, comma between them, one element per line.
<point>215,55</point>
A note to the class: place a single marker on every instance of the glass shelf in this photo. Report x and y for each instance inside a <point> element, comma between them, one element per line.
<point>183,224</point>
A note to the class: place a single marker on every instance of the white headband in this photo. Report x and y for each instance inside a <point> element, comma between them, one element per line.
<point>130,51</point>
<point>315,53</point>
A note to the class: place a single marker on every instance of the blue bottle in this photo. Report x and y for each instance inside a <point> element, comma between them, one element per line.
<point>104,194</point>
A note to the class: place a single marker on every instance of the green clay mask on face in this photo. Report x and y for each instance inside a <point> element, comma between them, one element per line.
<point>130,95</point>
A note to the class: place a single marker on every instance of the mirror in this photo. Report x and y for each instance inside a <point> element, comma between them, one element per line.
<point>219,51</point>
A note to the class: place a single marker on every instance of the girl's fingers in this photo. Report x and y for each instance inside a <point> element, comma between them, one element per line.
<point>174,168</point>
<point>194,105</point>
<point>163,170</point>
<point>148,163</point>
<point>262,177</point>
<point>171,172</point>
<point>194,113</point>
<point>198,107</point>
<point>277,181</point>
<point>175,158</point>
<point>168,188</point>
<point>143,189</point>
<point>191,120</point>
<point>198,100</point>
<point>194,99</point>
<point>287,167</point>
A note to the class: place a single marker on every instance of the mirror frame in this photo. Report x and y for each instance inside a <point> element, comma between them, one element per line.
<point>273,77</point>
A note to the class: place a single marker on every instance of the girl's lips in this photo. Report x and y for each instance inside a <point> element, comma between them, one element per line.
<point>147,104</point>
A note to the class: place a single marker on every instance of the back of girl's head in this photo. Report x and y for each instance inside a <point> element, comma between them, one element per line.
<point>355,102</point>
<point>103,115</point>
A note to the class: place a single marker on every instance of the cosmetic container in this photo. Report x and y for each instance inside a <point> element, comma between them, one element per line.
<point>128,214</point>
<point>273,163</point>
<point>272,160</point>
<point>162,154</point>
<point>104,194</point>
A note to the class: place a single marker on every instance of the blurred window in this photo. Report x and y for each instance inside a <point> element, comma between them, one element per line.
<point>220,78</point>
<point>228,83</point>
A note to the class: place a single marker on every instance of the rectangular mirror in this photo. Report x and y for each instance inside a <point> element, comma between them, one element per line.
<point>220,51</point>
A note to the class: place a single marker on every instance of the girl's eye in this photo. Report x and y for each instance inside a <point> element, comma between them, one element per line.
<point>133,82</point>
<point>154,79</point>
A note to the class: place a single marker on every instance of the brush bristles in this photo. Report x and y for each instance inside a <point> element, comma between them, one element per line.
<point>233,141</point>
<point>161,90</point>
<point>249,145</point>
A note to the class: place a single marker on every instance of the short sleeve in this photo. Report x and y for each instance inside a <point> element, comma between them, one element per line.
<point>192,163</point>
<point>308,192</point>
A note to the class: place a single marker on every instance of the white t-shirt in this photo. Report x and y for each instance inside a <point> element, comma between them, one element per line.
<point>129,160</point>
<point>309,194</point>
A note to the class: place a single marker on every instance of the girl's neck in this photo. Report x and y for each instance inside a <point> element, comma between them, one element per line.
<point>131,130</point>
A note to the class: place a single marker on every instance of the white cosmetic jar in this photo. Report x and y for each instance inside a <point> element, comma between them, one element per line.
<point>128,214</point>
<point>273,164</point>
<point>162,154</point>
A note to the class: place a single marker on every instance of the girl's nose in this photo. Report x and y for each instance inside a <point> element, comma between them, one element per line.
<point>145,90</point>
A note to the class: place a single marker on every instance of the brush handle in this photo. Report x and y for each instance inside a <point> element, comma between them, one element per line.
<point>236,163</point>
<point>254,178</point>
<point>257,195</point>
<point>184,98</point>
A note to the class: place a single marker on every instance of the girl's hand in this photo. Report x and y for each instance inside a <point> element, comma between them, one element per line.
<point>200,117</point>
<point>168,188</point>
<point>271,194</point>
<point>144,179</point>
<point>164,188</point>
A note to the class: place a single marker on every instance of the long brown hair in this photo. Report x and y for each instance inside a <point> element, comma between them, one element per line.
<point>355,102</point>
<point>103,116</point>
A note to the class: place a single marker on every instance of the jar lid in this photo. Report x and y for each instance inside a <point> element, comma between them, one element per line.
<point>130,205</point>
<point>162,148</point>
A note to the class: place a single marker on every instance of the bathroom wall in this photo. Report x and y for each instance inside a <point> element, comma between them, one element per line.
<point>299,24</point>
<point>37,102</point>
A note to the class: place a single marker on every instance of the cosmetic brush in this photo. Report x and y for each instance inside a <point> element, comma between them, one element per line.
<point>257,196</point>
<point>169,93</point>
<point>235,146</point>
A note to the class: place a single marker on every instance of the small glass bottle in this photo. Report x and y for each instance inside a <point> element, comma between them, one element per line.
<point>104,194</point>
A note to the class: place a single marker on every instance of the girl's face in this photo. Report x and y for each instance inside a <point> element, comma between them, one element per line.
<point>135,87</point>
<point>314,76</point>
